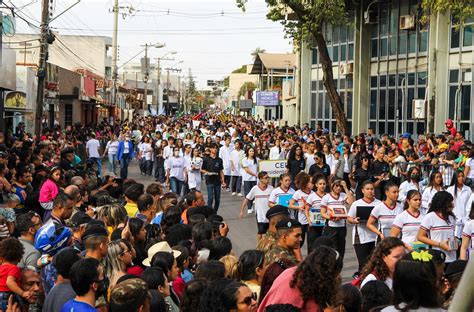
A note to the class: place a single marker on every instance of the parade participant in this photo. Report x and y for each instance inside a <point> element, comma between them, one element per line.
<point>411,183</point>
<point>250,268</point>
<point>381,171</point>
<point>212,168</point>
<point>111,152</point>
<point>274,215</point>
<point>283,189</point>
<point>176,172</point>
<point>336,226</point>
<point>125,154</point>
<point>408,222</point>
<point>93,152</point>
<point>296,162</point>
<point>467,245</point>
<point>224,153</point>
<point>299,202</point>
<point>319,166</point>
<point>385,212</point>
<point>361,174</point>
<point>236,157</point>
<point>461,194</point>
<point>289,238</point>
<point>259,194</point>
<point>194,170</point>
<point>438,227</point>
<point>363,239</point>
<point>435,185</point>
<point>249,174</point>
<point>313,210</point>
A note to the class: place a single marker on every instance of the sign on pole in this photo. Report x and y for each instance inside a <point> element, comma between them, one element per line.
<point>274,168</point>
<point>268,98</point>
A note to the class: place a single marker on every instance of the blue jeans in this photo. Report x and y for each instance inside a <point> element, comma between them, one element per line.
<point>113,163</point>
<point>176,185</point>
<point>214,196</point>
<point>124,166</point>
<point>98,161</point>
<point>247,187</point>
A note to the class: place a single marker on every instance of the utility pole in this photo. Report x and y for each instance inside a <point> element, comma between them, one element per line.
<point>42,67</point>
<point>115,10</point>
<point>158,93</point>
<point>145,79</point>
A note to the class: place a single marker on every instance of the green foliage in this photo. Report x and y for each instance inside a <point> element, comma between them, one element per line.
<point>246,86</point>
<point>461,10</point>
<point>305,17</point>
<point>241,70</point>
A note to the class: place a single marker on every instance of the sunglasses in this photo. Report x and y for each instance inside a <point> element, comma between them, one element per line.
<point>248,300</point>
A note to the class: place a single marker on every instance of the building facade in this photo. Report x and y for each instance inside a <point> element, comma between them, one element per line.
<point>394,73</point>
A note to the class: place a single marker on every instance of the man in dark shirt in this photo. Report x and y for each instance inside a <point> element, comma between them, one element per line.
<point>380,170</point>
<point>67,159</point>
<point>212,168</point>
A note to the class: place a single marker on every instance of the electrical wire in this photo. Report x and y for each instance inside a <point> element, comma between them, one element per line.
<point>177,30</point>
<point>77,56</point>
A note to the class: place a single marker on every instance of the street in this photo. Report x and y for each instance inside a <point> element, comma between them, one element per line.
<point>243,232</point>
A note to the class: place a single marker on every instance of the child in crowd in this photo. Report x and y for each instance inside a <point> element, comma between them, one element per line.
<point>49,190</point>
<point>182,262</point>
<point>7,215</point>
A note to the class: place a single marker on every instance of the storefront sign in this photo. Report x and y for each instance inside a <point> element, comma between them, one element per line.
<point>268,98</point>
<point>274,168</point>
<point>15,100</point>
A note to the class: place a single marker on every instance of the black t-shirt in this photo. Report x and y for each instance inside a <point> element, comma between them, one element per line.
<point>214,165</point>
<point>315,169</point>
<point>360,176</point>
<point>295,166</point>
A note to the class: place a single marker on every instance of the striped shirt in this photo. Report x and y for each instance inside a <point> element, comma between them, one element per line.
<point>409,225</point>
<point>278,192</point>
<point>385,215</point>
<point>440,230</point>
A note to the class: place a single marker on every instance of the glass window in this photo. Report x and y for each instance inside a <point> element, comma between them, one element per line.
<point>343,53</point>
<point>373,104</point>
<point>452,101</point>
<point>335,35</point>
<point>391,80</point>
<point>411,42</point>
<point>383,81</point>
<point>393,45</point>
<point>382,101</point>
<point>381,127</point>
<point>411,79</point>
<point>421,93</point>
<point>327,106</point>
<point>313,105</point>
<point>423,47</point>
<point>343,34</point>
<point>330,52</point>
<point>454,75</point>
<point>349,105</point>
<point>315,57</point>
<point>384,47</point>
<point>373,125</point>
<point>320,105</point>
<point>351,52</point>
<point>402,48</point>
<point>422,78</point>
<point>467,36</point>
<point>465,102</point>
<point>394,18</point>
<point>420,128</point>
<point>383,21</point>
<point>410,127</point>
<point>373,82</point>
<point>411,96</point>
<point>374,48</point>
<point>313,85</point>
<point>464,127</point>
<point>391,128</point>
<point>454,38</point>
<point>391,104</point>
<point>349,82</point>
<point>335,54</point>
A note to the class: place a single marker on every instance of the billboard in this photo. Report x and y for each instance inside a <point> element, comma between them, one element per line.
<point>268,98</point>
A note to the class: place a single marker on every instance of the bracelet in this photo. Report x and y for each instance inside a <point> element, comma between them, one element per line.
<point>439,244</point>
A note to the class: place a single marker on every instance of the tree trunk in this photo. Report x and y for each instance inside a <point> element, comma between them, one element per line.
<point>328,80</point>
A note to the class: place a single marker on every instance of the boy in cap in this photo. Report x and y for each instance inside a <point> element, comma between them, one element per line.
<point>289,237</point>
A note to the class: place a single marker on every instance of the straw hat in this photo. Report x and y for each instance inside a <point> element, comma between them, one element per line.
<point>161,246</point>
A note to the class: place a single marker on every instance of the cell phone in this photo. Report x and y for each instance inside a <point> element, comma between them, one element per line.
<point>118,180</point>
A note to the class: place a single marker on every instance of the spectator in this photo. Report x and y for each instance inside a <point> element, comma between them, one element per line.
<point>27,225</point>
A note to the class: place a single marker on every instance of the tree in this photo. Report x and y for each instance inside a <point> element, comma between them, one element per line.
<point>306,26</point>
<point>246,86</point>
<point>257,51</point>
<point>460,10</point>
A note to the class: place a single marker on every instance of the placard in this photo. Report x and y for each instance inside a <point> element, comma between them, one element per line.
<point>316,217</point>
<point>284,200</point>
<point>274,168</point>
<point>338,211</point>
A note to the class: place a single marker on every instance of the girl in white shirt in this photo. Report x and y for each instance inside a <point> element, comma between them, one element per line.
<point>467,245</point>
<point>435,185</point>
<point>461,194</point>
<point>283,189</point>
<point>336,226</point>
<point>111,151</point>
<point>437,227</point>
<point>362,238</point>
<point>249,174</point>
<point>300,199</point>
<point>408,222</point>
<point>176,173</point>
<point>315,220</point>
<point>194,170</point>
<point>275,151</point>
<point>235,166</point>
<point>412,183</point>
<point>384,214</point>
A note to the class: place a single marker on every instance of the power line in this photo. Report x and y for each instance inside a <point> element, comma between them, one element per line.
<point>177,30</point>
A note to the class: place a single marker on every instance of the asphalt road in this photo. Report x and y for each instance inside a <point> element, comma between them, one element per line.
<point>243,232</point>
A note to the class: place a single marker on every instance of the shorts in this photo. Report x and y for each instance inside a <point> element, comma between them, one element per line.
<point>262,227</point>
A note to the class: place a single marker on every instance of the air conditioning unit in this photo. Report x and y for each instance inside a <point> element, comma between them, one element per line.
<point>467,76</point>
<point>407,22</point>
<point>419,109</point>
<point>346,69</point>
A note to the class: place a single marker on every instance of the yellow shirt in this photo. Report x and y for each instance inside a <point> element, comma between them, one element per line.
<point>132,209</point>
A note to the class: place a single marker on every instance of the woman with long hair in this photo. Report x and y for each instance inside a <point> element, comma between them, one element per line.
<point>435,185</point>
<point>111,151</point>
<point>176,172</point>
<point>299,202</point>
<point>313,210</point>
<point>461,194</point>
<point>411,183</point>
<point>383,259</point>
<point>138,238</point>
<point>437,227</point>
<point>408,222</point>
<point>249,174</point>
<point>296,162</point>
<point>283,189</point>
<point>384,213</point>
<point>227,295</point>
<point>311,286</point>
<point>119,257</point>
<point>363,239</point>
<point>236,157</point>
<point>250,269</point>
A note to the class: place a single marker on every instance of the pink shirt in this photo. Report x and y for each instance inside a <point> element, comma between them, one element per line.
<point>48,191</point>
<point>282,293</point>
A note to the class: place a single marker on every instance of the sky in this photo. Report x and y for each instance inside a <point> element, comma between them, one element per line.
<point>212,37</point>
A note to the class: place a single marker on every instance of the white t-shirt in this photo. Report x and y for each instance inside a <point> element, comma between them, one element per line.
<point>329,202</point>
<point>315,211</point>
<point>112,147</point>
<point>176,167</point>
<point>260,198</point>
<point>468,231</point>
<point>371,277</point>
<point>167,152</point>
<point>385,216</point>
<point>462,206</point>
<point>299,196</point>
<point>309,160</point>
<point>470,163</point>
<point>147,151</point>
<point>405,187</point>
<point>277,193</point>
<point>427,197</point>
<point>251,164</point>
<point>224,154</point>
<point>408,225</point>
<point>236,157</point>
<point>439,230</point>
<point>93,146</point>
<point>365,235</point>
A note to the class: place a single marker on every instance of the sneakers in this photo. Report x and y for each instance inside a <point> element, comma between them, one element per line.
<point>234,193</point>
<point>249,211</point>
<point>240,195</point>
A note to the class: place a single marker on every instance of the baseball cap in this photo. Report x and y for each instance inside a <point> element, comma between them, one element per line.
<point>79,218</point>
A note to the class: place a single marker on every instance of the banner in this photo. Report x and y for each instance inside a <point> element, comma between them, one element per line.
<point>268,98</point>
<point>274,168</point>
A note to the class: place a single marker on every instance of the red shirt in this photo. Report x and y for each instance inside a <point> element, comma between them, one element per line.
<point>7,270</point>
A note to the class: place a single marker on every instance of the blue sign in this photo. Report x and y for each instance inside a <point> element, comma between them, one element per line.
<point>268,98</point>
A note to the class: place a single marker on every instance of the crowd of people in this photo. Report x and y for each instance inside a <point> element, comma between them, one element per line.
<point>75,237</point>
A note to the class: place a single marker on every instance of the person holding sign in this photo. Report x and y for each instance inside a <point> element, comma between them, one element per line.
<point>408,222</point>
<point>282,190</point>
<point>299,201</point>
<point>259,194</point>
<point>333,209</point>
<point>437,227</point>
<point>363,239</point>
<point>313,209</point>
<point>385,212</point>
